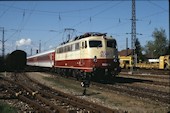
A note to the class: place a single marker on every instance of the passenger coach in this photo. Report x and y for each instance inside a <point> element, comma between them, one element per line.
<point>44,59</point>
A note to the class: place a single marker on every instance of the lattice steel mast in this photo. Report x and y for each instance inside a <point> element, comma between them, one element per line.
<point>133,33</point>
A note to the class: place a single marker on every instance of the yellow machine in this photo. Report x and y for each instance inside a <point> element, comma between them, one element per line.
<point>125,61</point>
<point>162,63</point>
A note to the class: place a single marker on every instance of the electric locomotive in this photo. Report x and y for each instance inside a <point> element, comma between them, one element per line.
<point>92,54</point>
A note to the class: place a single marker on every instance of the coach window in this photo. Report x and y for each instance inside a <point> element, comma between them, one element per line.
<point>95,43</point>
<point>73,47</point>
<point>59,50</point>
<point>62,49</point>
<point>65,49</point>
<point>77,46</point>
<point>70,47</point>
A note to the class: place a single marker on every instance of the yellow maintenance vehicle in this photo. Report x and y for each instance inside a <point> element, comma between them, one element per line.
<point>125,61</point>
<point>162,63</point>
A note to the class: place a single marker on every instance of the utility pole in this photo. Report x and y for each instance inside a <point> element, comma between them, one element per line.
<point>133,34</point>
<point>126,46</point>
<point>31,51</point>
<point>40,46</point>
<point>3,43</point>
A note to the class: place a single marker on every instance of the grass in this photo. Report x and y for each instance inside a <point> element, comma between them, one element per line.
<point>5,108</point>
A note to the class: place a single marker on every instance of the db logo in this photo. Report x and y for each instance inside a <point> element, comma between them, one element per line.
<point>103,54</point>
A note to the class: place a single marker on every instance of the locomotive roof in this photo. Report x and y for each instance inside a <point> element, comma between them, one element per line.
<point>89,34</point>
<point>86,35</point>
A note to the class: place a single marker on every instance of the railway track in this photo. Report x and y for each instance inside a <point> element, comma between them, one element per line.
<point>45,99</point>
<point>25,94</point>
<point>136,91</point>
<point>130,79</point>
<point>139,92</point>
<point>163,77</point>
<point>149,72</point>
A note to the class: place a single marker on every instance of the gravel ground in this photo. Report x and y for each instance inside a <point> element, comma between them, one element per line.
<point>101,96</point>
<point>149,86</point>
<point>20,106</point>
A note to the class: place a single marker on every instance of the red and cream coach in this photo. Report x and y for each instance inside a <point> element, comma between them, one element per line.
<point>93,54</point>
<point>45,59</point>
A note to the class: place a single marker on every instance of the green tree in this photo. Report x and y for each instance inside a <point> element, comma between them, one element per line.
<point>138,50</point>
<point>159,45</point>
<point>168,50</point>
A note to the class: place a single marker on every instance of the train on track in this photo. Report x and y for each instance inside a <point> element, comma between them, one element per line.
<point>92,54</point>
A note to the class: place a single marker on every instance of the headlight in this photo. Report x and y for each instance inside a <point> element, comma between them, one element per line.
<point>115,60</point>
<point>95,59</point>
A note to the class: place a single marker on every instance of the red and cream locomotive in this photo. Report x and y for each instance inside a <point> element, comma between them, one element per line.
<point>92,54</point>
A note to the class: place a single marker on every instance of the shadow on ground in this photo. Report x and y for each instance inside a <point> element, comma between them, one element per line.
<point>123,80</point>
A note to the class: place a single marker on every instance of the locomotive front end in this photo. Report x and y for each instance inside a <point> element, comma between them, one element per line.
<point>105,57</point>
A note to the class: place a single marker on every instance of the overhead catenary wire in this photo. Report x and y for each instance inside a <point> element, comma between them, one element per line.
<point>86,19</point>
<point>151,2</point>
<point>23,23</point>
<point>21,26</point>
<point>56,12</point>
<point>60,17</point>
<point>5,11</point>
<point>24,11</point>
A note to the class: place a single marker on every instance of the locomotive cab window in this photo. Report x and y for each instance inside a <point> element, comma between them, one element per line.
<point>111,43</point>
<point>95,43</point>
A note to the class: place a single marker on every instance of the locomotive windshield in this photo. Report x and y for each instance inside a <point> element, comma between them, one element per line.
<point>111,43</point>
<point>95,43</point>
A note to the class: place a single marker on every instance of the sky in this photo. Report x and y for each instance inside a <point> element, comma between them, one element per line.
<point>26,24</point>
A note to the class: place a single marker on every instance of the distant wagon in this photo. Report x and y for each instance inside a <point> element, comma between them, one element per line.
<point>16,61</point>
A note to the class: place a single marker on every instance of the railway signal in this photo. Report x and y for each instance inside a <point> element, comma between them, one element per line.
<point>85,83</point>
